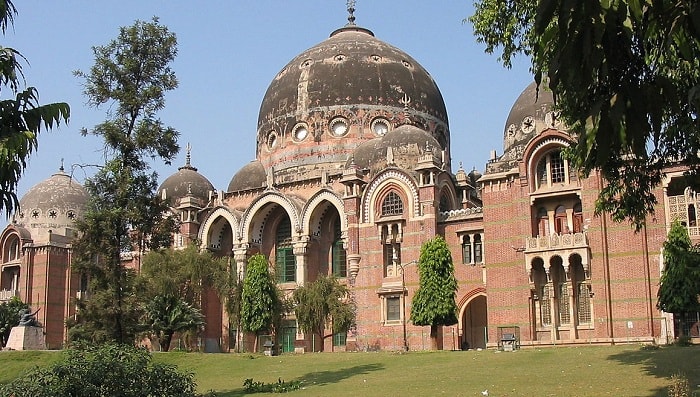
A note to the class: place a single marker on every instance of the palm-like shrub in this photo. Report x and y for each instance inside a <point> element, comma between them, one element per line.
<point>168,314</point>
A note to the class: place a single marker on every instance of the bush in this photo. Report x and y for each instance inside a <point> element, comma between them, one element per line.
<point>280,386</point>
<point>9,317</point>
<point>679,386</point>
<point>683,340</point>
<point>107,370</point>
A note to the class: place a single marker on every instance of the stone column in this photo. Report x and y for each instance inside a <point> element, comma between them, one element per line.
<point>240,256</point>
<point>553,312</point>
<point>300,248</point>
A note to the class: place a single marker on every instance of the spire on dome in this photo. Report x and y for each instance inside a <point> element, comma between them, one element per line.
<point>351,13</point>
<point>405,101</point>
<point>188,157</point>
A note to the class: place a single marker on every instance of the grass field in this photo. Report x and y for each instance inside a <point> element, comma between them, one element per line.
<point>627,370</point>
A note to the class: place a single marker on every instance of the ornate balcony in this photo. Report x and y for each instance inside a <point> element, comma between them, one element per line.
<point>555,242</point>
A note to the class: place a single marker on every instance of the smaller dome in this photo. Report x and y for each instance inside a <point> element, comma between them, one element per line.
<point>186,181</point>
<point>531,114</point>
<point>474,176</point>
<point>401,147</point>
<point>461,175</point>
<point>53,204</point>
<point>251,176</point>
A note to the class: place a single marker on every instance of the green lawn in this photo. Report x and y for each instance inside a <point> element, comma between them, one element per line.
<point>565,371</point>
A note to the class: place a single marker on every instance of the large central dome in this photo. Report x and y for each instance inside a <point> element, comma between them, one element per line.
<point>350,88</point>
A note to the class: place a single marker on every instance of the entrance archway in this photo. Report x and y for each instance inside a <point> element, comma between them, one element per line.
<point>473,321</point>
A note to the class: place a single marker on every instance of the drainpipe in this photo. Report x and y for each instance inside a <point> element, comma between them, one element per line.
<point>606,266</point>
<point>647,278</point>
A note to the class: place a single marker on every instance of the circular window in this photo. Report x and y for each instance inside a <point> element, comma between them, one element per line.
<point>339,127</point>
<point>528,124</point>
<point>380,126</point>
<point>300,132</point>
<point>271,140</point>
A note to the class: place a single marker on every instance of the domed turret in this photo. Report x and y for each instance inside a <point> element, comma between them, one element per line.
<point>402,148</point>
<point>347,90</point>
<point>474,176</point>
<point>531,114</point>
<point>52,206</point>
<point>250,176</point>
<point>186,181</point>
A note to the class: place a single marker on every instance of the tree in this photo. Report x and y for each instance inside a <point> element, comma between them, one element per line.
<point>680,279</point>
<point>260,300</point>
<point>322,303</point>
<point>22,118</point>
<point>9,317</point>
<point>434,302</point>
<point>168,314</point>
<point>124,214</point>
<point>232,297</point>
<point>106,370</point>
<point>625,76</point>
<point>187,273</point>
<point>184,272</point>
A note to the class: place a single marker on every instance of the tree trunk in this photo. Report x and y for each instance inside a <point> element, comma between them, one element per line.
<point>165,341</point>
<point>434,337</point>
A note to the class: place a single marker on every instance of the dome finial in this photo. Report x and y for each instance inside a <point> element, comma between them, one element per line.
<point>405,101</point>
<point>188,159</point>
<point>61,168</point>
<point>351,12</point>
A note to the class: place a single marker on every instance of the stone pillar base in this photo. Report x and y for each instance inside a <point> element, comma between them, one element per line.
<point>26,338</point>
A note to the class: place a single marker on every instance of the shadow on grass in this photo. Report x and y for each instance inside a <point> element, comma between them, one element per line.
<point>318,378</point>
<point>663,362</point>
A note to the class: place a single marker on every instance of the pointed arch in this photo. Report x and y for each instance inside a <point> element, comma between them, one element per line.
<point>473,319</point>
<point>538,148</point>
<point>311,218</point>
<point>206,232</point>
<point>254,218</point>
<point>378,187</point>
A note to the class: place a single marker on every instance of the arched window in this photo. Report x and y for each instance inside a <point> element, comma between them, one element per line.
<point>557,167</point>
<point>338,255</point>
<point>582,291</point>
<point>552,169</point>
<point>392,204</point>
<point>561,224</point>
<point>285,262</point>
<point>12,250</point>
<point>478,256</point>
<point>561,292</point>
<point>692,218</point>
<point>466,250</point>
<point>540,297</point>
<point>444,203</point>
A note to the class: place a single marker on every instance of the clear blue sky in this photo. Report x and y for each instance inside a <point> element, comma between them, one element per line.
<point>229,51</point>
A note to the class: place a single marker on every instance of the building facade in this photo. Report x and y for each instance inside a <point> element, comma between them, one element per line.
<point>353,173</point>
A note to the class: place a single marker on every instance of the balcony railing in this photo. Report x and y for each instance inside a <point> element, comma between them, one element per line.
<point>6,295</point>
<point>556,242</point>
